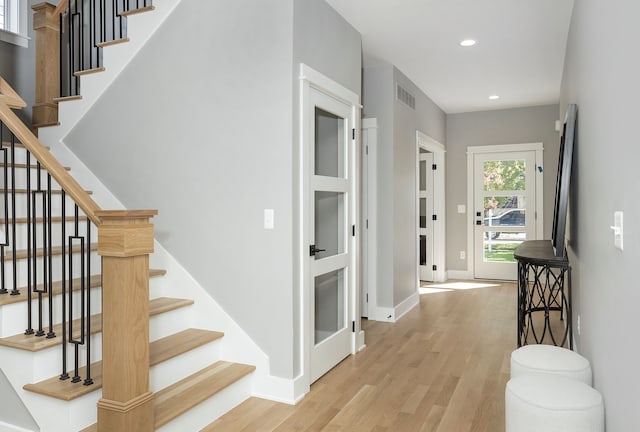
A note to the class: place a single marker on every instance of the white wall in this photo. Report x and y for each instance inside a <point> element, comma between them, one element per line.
<point>429,119</point>
<point>510,126</point>
<point>199,127</point>
<point>601,76</point>
<point>17,66</point>
<point>396,212</point>
<point>323,40</point>
<point>203,126</point>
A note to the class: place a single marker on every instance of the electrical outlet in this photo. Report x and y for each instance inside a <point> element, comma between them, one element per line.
<point>463,255</point>
<point>578,325</point>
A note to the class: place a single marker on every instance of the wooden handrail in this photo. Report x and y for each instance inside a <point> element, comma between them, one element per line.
<point>61,8</point>
<point>8,100</point>
<point>9,96</point>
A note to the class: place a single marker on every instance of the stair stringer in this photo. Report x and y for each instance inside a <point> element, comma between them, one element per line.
<point>140,28</point>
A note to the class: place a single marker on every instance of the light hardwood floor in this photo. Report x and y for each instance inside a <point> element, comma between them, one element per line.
<point>441,368</point>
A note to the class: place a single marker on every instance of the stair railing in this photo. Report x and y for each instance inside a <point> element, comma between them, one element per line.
<point>69,42</point>
<point>125,240</point>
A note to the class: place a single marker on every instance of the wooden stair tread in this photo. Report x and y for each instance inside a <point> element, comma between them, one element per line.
<point>32,343</point>
<point>20,145</point>
<point>89,71</point>
<point>67,98</point>
<point>159,351</point>
<point>53,191</point>
<point>54,219</point>
<point>180,397</point>
<point>178,343</point>
<point>137,11</point>
<point>56,250</point>
<point>112,42</point>
<point>95,281</point>
<point>32,166</point>
<point>46,124</point>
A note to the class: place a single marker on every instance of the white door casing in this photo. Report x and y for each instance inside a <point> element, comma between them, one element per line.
<point>425,217</point>
<point>489,234</point>
<point>333,199</point>
<point>437,150</point>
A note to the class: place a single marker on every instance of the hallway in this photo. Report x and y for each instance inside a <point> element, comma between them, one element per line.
<point>441,368</point>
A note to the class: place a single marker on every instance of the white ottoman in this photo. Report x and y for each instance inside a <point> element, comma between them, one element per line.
<point>550,360</point>
<point>539,403</point>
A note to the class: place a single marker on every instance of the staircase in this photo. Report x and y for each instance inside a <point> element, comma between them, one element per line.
<point>80,299</point>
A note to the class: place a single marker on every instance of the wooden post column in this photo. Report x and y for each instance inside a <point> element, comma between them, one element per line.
<point>46,24</point>
<point>125,240</point>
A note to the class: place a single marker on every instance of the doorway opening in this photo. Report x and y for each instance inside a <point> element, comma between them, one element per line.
<point>430,209</point>
<point>505,199</point>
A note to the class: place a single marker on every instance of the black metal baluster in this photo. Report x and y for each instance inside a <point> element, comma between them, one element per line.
<point>64,375</point>
<point>5,169</point>
<point>76,378</point>
<point>14,246</point>
<point>34,209</point>
<point>49,258</point>
<point>87,286</point>
<point>30,250</point>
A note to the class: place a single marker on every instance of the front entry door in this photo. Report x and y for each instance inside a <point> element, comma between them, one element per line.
<point>504,210</point>
<point>332,212</point>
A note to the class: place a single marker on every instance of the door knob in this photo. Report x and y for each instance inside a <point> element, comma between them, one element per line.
<point>313,250</point>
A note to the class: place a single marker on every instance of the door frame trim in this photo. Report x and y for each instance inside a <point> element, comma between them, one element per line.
<point>502,148</point>
<point>424,141</point>
<point>311,79</point>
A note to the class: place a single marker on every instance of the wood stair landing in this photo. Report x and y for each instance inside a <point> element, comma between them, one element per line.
<point>159,351</point>
<point>32,343</point>
<point>180,397</point>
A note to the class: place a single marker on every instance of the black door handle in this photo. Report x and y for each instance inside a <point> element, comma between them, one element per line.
<point>313,250</point>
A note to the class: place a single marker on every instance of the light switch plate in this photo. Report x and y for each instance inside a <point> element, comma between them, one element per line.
<point>462,208</point>
<point>618,232</point>
<point>269,219</point>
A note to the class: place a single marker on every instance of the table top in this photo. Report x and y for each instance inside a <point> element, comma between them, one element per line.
<point>539,252</point>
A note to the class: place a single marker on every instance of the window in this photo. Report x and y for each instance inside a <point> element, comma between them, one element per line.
<point>13,22</point>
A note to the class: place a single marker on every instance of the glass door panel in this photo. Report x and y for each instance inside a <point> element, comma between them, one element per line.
<point>330,311</point>
<point>504,187</point>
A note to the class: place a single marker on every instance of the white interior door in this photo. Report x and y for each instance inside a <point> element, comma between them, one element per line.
<point>505,210</point>
<point>332,212</point>
<point>426,212</point>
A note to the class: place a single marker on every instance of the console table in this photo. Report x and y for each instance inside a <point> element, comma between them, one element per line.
<point>541,292</point>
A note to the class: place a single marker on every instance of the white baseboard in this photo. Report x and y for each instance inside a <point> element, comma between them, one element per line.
<point>406,305</point>
<point>393,314</point>
<point>5,427</point>
<point>459,274</point>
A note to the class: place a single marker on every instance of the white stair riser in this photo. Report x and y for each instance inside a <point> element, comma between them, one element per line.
<point>31,367</point>
<point>200,416</point>
<point>54,415</point>
<point>171,322</point>
<point>56,205</point>
<point>19,176</point>
<point>22,234</point>
<point>56,269</point>
<point>13,317</point>
<point>173,370</point>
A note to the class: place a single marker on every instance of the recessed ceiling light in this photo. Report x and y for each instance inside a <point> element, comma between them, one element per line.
<point>494,97</point>
<point>467,43</point>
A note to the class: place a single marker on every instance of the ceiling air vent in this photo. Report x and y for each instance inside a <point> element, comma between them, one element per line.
<point>405,97</point>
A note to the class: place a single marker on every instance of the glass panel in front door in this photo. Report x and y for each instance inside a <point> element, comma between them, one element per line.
<point>505,215</point>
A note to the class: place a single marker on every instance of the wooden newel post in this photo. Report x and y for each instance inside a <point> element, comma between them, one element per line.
<point>46,25</point>
<point>125,240</point>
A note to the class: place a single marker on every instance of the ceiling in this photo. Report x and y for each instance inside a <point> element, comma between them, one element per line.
<point>519,53</point>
